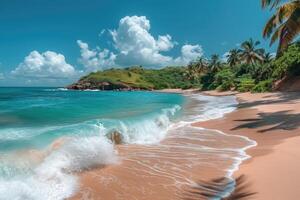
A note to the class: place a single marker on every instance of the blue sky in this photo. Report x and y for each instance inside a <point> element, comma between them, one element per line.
<point>54,42</point>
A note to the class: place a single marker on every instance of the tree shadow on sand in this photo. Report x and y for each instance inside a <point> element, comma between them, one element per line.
<point>287,97</point>
<point>218,188</point>
<point>282,120</point>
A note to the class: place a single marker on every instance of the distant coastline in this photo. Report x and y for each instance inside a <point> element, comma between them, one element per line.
<point>135,78</point>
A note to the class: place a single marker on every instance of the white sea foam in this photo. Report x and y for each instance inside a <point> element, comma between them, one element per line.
<point>56,89</point>
<point>214,107</point>
<point>148,131</point>
<point>52,178</point>
<point>210,107</point>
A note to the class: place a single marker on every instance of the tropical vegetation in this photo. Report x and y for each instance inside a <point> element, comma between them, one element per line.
<point>248,68</point>
<point>284,25</point>
<point>147,79</point>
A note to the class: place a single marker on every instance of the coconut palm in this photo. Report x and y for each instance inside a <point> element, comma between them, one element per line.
<point>201,65</point>
<point>250,54</point>
<point>190,72</point>
<point>284,25</point>
<point>268,57</point>
<point>233,58</point>
<point>215,63</point>
<point>196,68</point>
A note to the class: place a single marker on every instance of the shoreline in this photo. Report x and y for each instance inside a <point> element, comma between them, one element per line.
<point>233,147</point>
<point>272,120</point>
<point>255,115</point>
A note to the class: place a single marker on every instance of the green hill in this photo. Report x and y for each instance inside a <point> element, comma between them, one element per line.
<point>136,78</point>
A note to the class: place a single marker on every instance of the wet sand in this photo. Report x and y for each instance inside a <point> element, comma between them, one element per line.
<point>165,171</point>
<point>273,120</point>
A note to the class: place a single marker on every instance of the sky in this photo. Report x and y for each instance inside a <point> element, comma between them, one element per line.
<point>53,43</point>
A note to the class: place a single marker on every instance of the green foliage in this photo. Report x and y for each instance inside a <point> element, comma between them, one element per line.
<point>262,72</point>
<point>289,63</point>
<point>206,81</point>
<point>245,84</point>
<point>224,79</point>
<point>138,77</point>
<point>263,86</point>
<point>248,69</point>
<point>256,71</point>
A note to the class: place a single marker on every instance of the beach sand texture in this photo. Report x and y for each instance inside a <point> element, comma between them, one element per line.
<point>165,171</point>
<point>273,120</point>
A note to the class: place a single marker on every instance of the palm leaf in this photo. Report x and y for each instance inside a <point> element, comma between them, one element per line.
<point>290,30</point>
<point>272,3</point>
<point>284,25</point>
<point>270,26</point>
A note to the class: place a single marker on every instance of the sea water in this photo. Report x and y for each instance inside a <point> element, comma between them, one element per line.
<point>47,135</point>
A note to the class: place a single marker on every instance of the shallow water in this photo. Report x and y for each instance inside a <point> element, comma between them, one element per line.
<point>48,135</point>
<point>167,169</point>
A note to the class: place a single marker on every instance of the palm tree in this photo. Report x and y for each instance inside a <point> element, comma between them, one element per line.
<point>201,65</point>
<point>284,25</point>
<point>190,72</point>
<point>196,68</point>
<point>250,54</point>
<point>215,63</point>
<point>268,57</point>
<point>233,58</point>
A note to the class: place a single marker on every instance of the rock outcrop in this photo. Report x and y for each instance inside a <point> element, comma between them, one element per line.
<point>87,85</point>
<point>115,137</point>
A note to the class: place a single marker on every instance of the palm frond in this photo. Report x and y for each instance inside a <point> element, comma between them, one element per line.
<point>270,26</point>
<point>284,25</point>
<point>272,3</point>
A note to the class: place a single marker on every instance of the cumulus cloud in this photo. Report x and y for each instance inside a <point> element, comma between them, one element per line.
<point>49,65</point>
<point>135,45</point>
<point>189,53</point>
<point>95,59</point>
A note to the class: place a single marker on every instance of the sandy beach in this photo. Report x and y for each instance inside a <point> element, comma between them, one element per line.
<point>272,120</point>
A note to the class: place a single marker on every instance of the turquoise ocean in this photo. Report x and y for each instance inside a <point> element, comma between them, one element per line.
<point>48,134</point>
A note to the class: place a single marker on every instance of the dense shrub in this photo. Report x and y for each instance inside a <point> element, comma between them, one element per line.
<point>263,86</point>
<point>224,79</point>
<point>288,63</point>
<point>206,81</point>
<point>246,84</point>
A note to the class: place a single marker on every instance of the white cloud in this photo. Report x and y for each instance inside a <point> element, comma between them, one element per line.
<point>165,43</point>
<point>49,65</point>
<point>1,76</point>
<point>135,45</point>
<point>189,53</point>
<point>224,57</point>
<point>95,59</point>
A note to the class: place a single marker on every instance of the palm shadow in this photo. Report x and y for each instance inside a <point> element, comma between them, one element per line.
<point>282,120</point>
<point>222,188</point>
<point>285,97</point>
